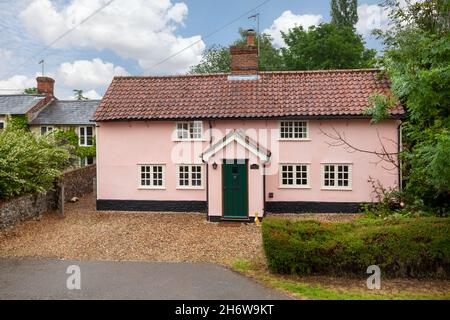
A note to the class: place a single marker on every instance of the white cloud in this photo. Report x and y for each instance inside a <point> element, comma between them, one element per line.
<point>143,30</point>
<point>287,21</point>
<point>92,76</point>
<point>178,12</point>
<point>92,94</point>
<point>372,17</point>
<point>16,84</point>
<point>376,17</point>
<point>85,73</point>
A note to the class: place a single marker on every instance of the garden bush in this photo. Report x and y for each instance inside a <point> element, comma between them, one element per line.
<point>28,164</point>
<point>408,247</point>
<point>70,139</point>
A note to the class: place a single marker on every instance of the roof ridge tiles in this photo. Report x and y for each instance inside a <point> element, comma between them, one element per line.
<point>261,72</point>
<point>90,100</point>
<point>23,94</point>
<point>322,71</point>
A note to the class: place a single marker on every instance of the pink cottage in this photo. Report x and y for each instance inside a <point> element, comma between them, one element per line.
<point>243,144</point>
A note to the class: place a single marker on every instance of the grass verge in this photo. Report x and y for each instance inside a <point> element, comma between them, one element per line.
<point>304,290</point>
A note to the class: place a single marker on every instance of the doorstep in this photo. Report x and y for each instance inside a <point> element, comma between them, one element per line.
<point>225,219</point>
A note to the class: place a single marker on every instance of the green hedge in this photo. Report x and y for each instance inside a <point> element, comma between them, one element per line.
<point>414,247</point>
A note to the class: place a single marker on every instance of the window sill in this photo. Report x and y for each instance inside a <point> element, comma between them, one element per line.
<point>151,188</point>
<point>329,163</point>
<point>294,139</point>
<point>190,188</point>
<point>189,140</point>
<point>336,189</point>
<point>294,187</point>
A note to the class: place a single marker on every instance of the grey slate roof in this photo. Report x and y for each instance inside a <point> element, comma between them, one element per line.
<point>69,112</point>
<point>18,103</point>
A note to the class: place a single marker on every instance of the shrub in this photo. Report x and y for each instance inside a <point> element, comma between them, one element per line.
<point>391,202</point>
<point>412,247</point>
<point>18,122</point>
<point>28,163</point>
<point>387,201</point>
<point>69,139</point>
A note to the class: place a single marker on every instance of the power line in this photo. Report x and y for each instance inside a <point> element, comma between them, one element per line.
<point>210,34</point>
<point>64,34</point>
<point>156,64</point>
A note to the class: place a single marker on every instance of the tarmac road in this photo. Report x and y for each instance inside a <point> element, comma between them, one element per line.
<point>47,279</point>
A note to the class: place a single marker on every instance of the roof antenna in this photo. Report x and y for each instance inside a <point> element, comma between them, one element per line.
<point>43,63</point>
<point>255,17</point>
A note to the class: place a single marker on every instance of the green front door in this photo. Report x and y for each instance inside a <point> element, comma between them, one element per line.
<point>235,189</point>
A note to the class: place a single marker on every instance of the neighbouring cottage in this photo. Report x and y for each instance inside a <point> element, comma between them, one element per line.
<point>20,105</point>
<point>245,143</point>
<point>45,113</point>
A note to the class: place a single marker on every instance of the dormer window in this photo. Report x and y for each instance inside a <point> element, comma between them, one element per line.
<point>192,130</point>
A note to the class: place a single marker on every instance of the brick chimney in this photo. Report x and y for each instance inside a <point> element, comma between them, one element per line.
<point>244,58</point>
<point>45,85</point>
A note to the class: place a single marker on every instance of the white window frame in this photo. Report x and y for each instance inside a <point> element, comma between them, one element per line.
<point>47,131</point>
<point>152,186</point>
<point>336,186</point>
<point>294,185</point>
<point>84,164</point>
<point>189,124</point>
<point>4,124</point>
<point>307,138</point>
<point>85,136</point>
<point>190,186</point>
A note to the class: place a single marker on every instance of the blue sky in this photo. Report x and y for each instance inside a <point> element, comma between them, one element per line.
<point>132,37</point>
<point>206,15</point>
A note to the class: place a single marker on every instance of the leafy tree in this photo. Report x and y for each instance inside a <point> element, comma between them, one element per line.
<point>325,46</point>
<point>215,59</point>
<point>218,59</point>
<point>28,163</point>
<point>417,55</point>
<point>78,94</point>
<point>30,90</point>
<point>344,13</point>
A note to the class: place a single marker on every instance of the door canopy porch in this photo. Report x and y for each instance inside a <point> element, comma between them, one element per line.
<point>240,138</point>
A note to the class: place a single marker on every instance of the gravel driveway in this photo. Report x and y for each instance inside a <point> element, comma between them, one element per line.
<point>86,234</point>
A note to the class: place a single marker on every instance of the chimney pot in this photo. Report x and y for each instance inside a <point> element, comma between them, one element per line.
<point>250,33</point>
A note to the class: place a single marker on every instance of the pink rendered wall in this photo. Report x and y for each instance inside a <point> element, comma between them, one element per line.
<point>122,145</point>
<point>361,134</point>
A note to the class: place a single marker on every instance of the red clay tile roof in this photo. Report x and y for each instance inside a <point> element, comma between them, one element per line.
<point>276,94</point>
